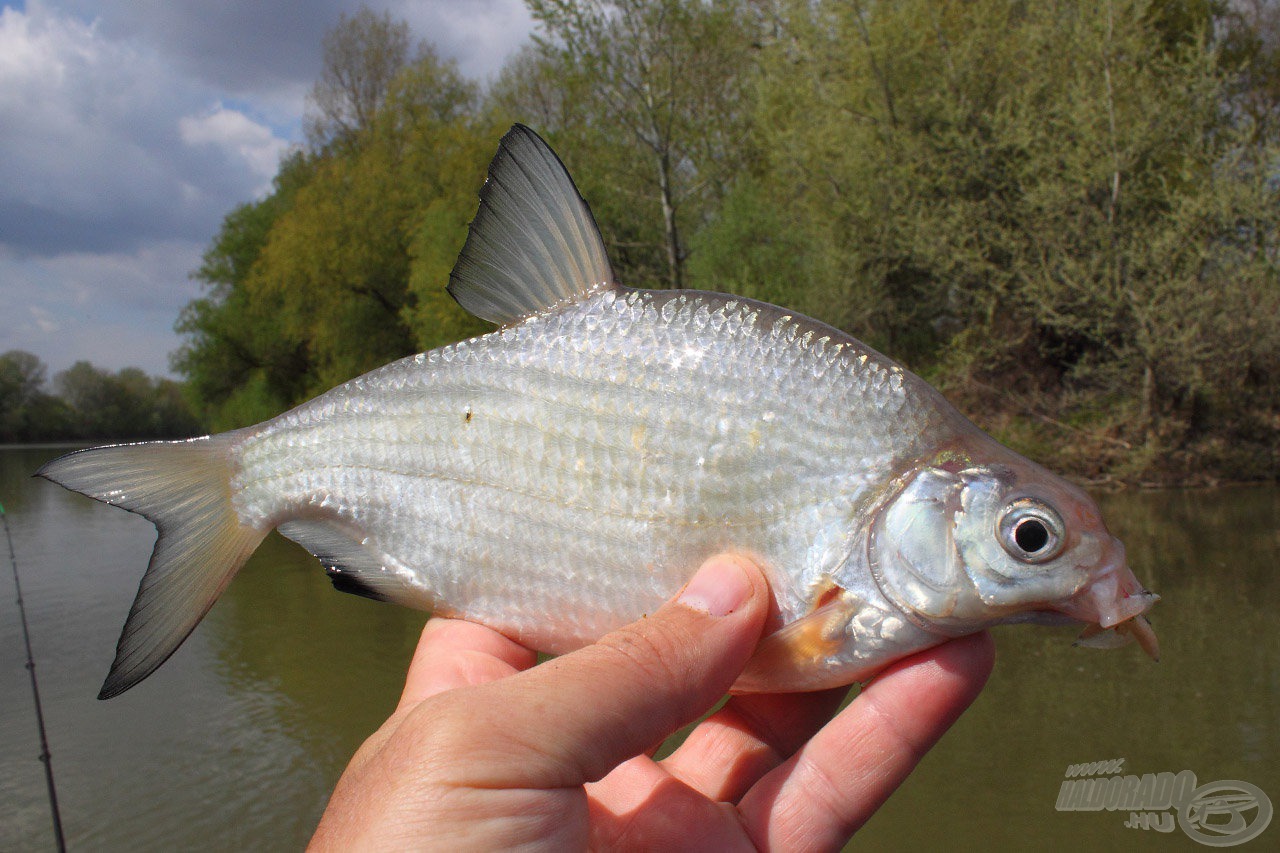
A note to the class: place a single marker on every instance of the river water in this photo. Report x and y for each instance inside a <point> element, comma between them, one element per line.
<point>236,742</point>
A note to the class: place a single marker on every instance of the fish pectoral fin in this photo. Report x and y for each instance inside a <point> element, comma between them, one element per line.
<point>534,245</point>
<point>811,638</point>
<point>352,565</point>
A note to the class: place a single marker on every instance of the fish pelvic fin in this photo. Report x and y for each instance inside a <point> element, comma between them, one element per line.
<point>534,245</point>
<point>184,488</point>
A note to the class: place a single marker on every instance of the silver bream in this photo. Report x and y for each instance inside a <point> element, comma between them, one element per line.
<point>567,473</point>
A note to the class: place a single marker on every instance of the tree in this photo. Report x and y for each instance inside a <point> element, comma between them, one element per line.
<point>658,91</point>
<point>22,375</point>
<point>1047,200</point>
<point>362,57</point>
<point>338,264</point>
<point>240,364</point>
<point>341,268</point>
<point>127,404</point>
<point>1250,48</point>
<point>27,413</point>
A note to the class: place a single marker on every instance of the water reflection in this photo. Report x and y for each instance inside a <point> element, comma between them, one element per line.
<point>237,741</point>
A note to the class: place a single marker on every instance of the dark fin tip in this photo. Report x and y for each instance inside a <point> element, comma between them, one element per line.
<point>345,581</point>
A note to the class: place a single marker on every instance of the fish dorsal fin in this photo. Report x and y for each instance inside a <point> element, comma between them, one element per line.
<point>533,245</point>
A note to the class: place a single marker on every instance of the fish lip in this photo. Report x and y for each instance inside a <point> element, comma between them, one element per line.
<point>1113,595</point>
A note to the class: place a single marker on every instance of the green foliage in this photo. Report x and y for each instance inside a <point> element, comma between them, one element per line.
<point>1064,213</point>
<point>342,268</point>
<point>27,413</point>
<point>652,101</point>
<point>89,403</point>
<point>1048,200</point>
<point>126,404</point>
<point>754,247</point>
<point>235,338</point>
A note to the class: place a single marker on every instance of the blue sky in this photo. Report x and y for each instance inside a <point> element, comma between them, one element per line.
<point>129,129</point>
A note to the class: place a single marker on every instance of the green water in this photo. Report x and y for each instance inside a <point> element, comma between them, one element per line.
<point>237,740</point>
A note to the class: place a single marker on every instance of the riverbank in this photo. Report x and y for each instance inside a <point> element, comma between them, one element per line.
<point>1098,445</point>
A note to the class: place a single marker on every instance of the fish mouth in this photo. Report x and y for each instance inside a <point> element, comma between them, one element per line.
<point>1114,604</point>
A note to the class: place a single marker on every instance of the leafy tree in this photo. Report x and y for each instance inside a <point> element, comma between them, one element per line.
<point>27,413</point>
<point>22,374</point>
<point>654,95</point>
<point>362,57</point>
<point>90,403</point>
<point>240,364</point>
<point>342,268</point>
<point>1250,48</point>
<point>1045,203</point>
<point>338,263</point>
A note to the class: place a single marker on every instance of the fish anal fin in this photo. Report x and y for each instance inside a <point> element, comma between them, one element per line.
<point>354,565</point>
<point>533,245</point>
<point>346,581</point>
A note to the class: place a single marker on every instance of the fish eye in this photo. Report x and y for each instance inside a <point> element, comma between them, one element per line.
<point>1031,531</point>
<point>1031,535</point>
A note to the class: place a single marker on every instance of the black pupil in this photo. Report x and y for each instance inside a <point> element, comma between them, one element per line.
<point>1031,535</point>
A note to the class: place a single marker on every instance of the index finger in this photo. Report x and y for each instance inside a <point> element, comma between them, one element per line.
<point>455,653</point>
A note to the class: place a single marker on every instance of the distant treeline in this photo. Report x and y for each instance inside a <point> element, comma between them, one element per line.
<point>1064,214</point>
<point>88,403</point>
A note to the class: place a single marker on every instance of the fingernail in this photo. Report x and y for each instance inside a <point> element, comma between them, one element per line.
<point>719,588</point>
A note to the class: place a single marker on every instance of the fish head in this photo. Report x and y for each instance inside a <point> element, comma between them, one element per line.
<point>968,543</point>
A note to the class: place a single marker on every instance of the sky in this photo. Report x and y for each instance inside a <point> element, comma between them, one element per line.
<point>128,130</point>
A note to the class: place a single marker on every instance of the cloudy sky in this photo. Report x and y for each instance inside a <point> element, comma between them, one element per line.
<point>129,129</point>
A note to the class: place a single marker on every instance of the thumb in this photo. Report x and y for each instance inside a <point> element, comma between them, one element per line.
<point>575,718</point>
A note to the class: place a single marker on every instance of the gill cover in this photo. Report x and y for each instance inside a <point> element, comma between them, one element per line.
<point>913,551</point>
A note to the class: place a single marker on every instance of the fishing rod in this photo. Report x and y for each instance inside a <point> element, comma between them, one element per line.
<point>46,758</point>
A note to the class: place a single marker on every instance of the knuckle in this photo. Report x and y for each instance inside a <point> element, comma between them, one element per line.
<point>905,741</point>
<point>440,733</point>
<point>654,648</point>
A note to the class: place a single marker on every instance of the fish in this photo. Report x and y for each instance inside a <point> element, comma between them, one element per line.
<point>566,473</point>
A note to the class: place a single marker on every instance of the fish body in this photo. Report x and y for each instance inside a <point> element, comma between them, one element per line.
<point>558,478</point>
<point>567,473</point>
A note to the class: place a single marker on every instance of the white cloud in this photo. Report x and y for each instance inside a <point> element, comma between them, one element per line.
<point>92,152</point>
<point>236,133</point>
<point>479,34</point>
<point>44,321</point>
<point>129,130</point>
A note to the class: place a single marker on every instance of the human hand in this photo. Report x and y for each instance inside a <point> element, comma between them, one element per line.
<point>487,751</point>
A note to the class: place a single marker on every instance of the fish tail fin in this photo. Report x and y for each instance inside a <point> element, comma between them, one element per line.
<point>184,488</point>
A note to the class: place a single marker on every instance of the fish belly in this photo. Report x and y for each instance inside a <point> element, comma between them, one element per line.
<point>561,477</point>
